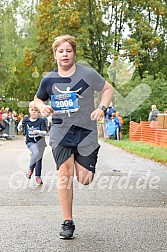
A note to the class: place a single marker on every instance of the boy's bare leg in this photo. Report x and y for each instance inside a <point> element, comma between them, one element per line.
<point>65,187</point>
<point>84,176</point>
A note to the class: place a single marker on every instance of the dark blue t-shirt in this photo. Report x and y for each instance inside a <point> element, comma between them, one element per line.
<point>29,126</point>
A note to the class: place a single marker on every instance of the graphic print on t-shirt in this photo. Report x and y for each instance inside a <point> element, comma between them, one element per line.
<point>30,131</point>
<point>66,101</point>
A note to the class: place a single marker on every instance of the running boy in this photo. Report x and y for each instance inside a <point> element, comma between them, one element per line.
<point>73,135</point>
<point>34,128</point>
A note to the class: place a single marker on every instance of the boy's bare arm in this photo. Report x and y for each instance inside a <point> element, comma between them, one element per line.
<point>44,109</point>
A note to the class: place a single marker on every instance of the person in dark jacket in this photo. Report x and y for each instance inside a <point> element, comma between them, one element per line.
<point>153,116</point>
<point>107,116</point>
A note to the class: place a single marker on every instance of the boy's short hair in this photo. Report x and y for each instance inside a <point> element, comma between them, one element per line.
<point>64,38</point>
<point>32,105</point>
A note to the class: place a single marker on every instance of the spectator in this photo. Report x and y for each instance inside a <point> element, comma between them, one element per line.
<point>20,116</point>
<point>118,126</point>
<point>109,111</point>
<point>121,122</point>
<point>16,121</point>
<point>10,116</point>
<point>2,127</point>
<point>107,117</point>
<point>113,127</point>
<point>153,116</point>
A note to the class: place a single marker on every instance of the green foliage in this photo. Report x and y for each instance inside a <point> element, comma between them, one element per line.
<point>158,95</point>
<point>106,31</point>
<point>17,83</point>
<point>8,44</point>
<point>146,25</point>
<point>98,31</point>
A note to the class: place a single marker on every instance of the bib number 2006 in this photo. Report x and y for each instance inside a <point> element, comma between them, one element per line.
<point>65,103</point>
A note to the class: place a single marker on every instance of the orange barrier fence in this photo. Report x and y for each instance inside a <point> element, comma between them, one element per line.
<point>148,133</point>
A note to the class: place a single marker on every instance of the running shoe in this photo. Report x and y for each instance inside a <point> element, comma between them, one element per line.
<point>29,174</point>
<point>39,181</point>
<point>67,230</point>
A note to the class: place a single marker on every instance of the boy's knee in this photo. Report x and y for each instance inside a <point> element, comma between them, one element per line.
<point>65,172</point>
<point>85,180</point>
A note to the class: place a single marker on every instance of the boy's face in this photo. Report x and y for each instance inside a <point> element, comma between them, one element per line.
<point>65,55</point>
<point>33,112</point>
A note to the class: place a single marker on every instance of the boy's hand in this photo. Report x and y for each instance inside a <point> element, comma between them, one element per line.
<point>37,132</point>
<point>97,115</point>
<point>46,110</point>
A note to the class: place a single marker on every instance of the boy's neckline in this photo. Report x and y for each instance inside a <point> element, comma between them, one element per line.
<point>66,74</point>
<point>33,120</point>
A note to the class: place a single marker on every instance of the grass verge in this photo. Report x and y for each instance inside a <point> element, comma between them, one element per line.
<point>155,153</point>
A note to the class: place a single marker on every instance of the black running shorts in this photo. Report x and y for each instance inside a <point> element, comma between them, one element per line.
<point>61,154</point>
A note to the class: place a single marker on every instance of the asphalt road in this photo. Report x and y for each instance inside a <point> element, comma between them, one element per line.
<point>124,209</point>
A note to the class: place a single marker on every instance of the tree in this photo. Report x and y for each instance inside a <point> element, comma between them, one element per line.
<point>106,31</point>
<point>16,82</point>
<point>145,21</point>
<point>91,22</point>
<point>8,45</point>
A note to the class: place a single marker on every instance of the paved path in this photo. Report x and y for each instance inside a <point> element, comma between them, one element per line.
<point>121,211</point>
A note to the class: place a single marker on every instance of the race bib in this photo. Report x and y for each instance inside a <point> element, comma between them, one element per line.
<point>65,103</point>
<point>31,131</point>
